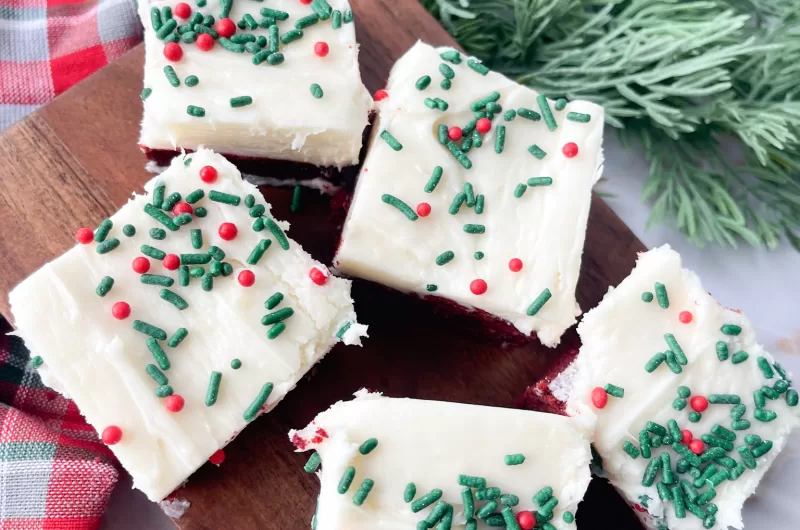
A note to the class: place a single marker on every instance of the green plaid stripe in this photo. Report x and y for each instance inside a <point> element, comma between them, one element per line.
<point>27,451</point>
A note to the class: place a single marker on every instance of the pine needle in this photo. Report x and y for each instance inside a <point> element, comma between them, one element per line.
<point>678,78</point>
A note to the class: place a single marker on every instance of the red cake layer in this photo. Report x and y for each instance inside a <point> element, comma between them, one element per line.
<point>538,396</point>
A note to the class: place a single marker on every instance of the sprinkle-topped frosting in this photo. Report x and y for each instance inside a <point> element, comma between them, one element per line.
<point>705,409</point>
<point>450,173</point>
<point>235,75</point>
<point>537,471</point>
<point>178,359</point>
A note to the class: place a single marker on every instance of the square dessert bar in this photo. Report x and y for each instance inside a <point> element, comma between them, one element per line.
<point>184,316</point>
<point>253,80</point>
<point>689,410</point>
<point>442,465</point>
<point>477,190</point>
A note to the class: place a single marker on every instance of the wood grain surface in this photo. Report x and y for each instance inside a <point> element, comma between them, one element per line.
<point>76,160</point>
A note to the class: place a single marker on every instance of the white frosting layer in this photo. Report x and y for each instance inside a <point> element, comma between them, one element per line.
<point>284,121</point>
<point>544,228</point>
<point>622,334</point>
<point>100,361</point>
<point>456,439</point>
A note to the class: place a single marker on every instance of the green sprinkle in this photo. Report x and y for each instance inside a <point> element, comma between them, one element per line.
<point>487,509</point>
<point>167,29</point>
<point>454,57</point>
<point>191,81</point>
<point>684,391</point>
<point>129,230</point>
<point>164,391</point>
<point>423,82</point>
<point>421,503</point>
<point>183,276</point>
<point>537,151</point>
<point>155,348</point>
<point>791,397</point>
<point>231,46</point>
<point>579,117</point>
<point>313,463</point>
<point>738,411</point>
<point>241,101</point>
<point>277,316</point>
<point>404,208</point>
<point>519,191</point>
<point>724,399</point>
<point>739,357</point>
<point>514,460</point>
<point>661,295</point>
<point>258,252</point>
<point>762,448</point>
<point>568,517</point>
<point>478,255</point>
<point>213,388</point>
<point>678,403</point>
<point>148,329</point>
<point>102,231</point>
<point>173,298</point>
<point>343,330</point>
<point>618,392</point>
<point>276,231</point>
<point>547,508</point>
<point>446,71</point>
<point>770,393</point>
<point>182,219</point>
<point>678,502</point>
<point>686,453</point>
<point>666,468</point>
<point>543,495</point>
<point>436,514</point>
<point>631,449</point>
<point>207,282</point>
<point>722,351</point>
<point>104,286</point>
<point>171,201</point>
<point>442,132</point>
<point>474,229</point>
<point>195,259</point>
<point>647,297</point>
<point>195,196</point>
<point>363,490</point>
<point>348,16</point>
<point>540,181</point>
<point>273,301</point>
<point>157,375</point>
<point>672,363</point>
<point>478,67</point>
<point>781,386</point>
<point>389,139</point>
<point>445,257</point>
<point>509,500</point>
<point>316,91</point>
<point>528,114</point>
<point>197,112</point>
<point>764,415</point>
<point>189,37</point>
<point>655,428</point>
<point>731,329</point>
<point>307,21</point>
<point>258,402</point>
<point>481,103</point>
<point>446,84</point>
<point>441,104</point>
<point>469,194</point>
<point>216,253</point>
<point>544,107</point>
<point>224,198</point>
<point>654,362</point>
<point>471,482</point>
<point>716,479</point>
<point>295,206</point>
<point>680,357</point>
<point>539,302</point>
<point>694,417</point>
<point>740,425</point>
<point>336,19</point>
<point>759,398</point>
<point>275,330</point>
<point>172,77</point>
<point>431,287</point>
<point>650,472</point>
<point>714,441</point>
<point>561,104</point>
<point>747,457</point>
<point>409,492</point>
<point>155,18</point>
<point>261,56</point>
<point>368,446</point>
<point>509,115</point>
<point>434,180</point>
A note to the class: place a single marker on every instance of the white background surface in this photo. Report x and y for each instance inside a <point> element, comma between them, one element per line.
<point>764,284</point>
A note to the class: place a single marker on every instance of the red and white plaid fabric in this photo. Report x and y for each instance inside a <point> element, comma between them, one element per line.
<point>46,46</point>
<point>55,474</point>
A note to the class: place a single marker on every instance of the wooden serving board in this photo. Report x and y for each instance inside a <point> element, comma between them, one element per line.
<point>76,160</point>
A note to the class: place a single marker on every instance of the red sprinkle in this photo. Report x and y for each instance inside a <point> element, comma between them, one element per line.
<point>182,10</point>
<point>380,95</point>
<point>698,403</point>
<point>526,520</point>
<point>599,397</point>
<point>174,403</point>
<point>455,133</point>
<point>685,317</point>
<point>478,286</point>
<point>424,209</point>
<point>217,458</point>
<point>483,125</point>
<point>171,262</point>
<point>306,1</point>
<point>686,436</point>
<point>111,435</point>
<point>225,27</point>
<point>173,52</point>
<point>515,265</point>
<point>321,48</point>
<point>299,442</point>
<point>570,149</point>
<point>697,446</point>
<point>208,174</point>
<point>141,265</point>
<point>205,42</point>
<point>246,278</point>
<point>182,207</point>
<point>84,236</point>
<point>228,231</point>
<point>317,276</point>
<point>121,310</point>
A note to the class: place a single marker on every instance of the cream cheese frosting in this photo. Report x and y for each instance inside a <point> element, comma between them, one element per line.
<point>284,120</point>
<point>457,440</point>
<point>540,224</point>
<point>101,361</point>
<point>734,402</point>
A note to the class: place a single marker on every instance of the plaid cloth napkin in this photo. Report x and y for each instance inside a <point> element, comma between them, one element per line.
<point>55,474</point>
<point>46,46</point>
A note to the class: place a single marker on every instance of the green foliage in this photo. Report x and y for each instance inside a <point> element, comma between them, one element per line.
<point>678,78</point>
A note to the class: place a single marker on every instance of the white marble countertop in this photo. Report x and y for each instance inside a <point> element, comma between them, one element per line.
<point>764,284</point>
